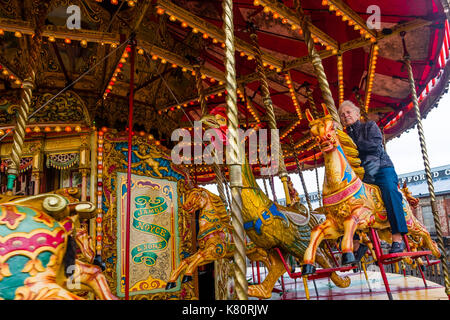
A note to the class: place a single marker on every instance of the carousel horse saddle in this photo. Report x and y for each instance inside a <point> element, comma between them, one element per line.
<point>296,218</point>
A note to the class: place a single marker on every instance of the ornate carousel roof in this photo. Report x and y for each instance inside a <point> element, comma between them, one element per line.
<point>360,44</point>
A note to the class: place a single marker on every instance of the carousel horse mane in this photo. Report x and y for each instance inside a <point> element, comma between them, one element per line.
<point>351,152</point>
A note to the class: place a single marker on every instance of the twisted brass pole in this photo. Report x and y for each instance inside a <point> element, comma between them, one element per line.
<point>318,67</point>
<point>319,196</point>
<point>312,104</point>
<point>234,156</point>
<point>272,189</point>
<point>265,185</point>
<point>204,110</point>
<point>26,94</point>
<point>360,103</point>
<point>437,222</point>
<point>200,90</point>
<point>300,174</point>
<point>267,101</point>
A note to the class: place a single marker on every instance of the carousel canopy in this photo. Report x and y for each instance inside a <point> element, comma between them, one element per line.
<point>360,44</point>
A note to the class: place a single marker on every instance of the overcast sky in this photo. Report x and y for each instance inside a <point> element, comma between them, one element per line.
<point>404,151</point>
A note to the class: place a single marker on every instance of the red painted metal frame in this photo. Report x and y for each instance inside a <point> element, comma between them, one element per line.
<point>319,274</point>
<point>432,262</point>
<point>130,137</point>
<point>391,258</point>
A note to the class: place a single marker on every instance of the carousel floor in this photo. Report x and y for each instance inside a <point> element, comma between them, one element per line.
<point>402,288</point>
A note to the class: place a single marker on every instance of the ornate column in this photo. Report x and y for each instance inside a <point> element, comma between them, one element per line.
<point>36,170</point>
<point>84,166</point>
<point>423,146</point>
<point>234,154</point>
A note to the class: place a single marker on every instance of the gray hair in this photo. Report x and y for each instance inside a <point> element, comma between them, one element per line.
<point>348,103</point>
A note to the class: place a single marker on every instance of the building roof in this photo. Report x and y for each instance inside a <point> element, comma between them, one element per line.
<point>417,183</point>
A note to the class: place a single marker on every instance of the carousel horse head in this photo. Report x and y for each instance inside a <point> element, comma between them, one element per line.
<point>196,198</point>
<point>322,129</point>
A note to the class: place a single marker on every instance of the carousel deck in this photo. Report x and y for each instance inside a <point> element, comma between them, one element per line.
<point>403,288</point>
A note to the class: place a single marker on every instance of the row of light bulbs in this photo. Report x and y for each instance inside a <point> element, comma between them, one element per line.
<point>291,128</point>
<point>294,26</point>
<point>174,18</point>
<point>340,69</point>
<point>47,129</point>
<point>339,12</point>
<point>289,83</point>
<point>370,76</point>
<point>131,3</point>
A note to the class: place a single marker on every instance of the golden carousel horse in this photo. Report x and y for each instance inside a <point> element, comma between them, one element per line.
<point>349,203</point>
<point>38,237</point>
<point>270,225</point>
<point>215,240</point>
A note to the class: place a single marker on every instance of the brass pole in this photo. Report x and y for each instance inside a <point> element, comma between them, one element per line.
<point>267,101</point>
<point>312,104</point>
<point>360,103</point>
<point>319,196</point>
<point>300,174</point>
<point>234,154</point>
<point>318,67</point>
<point>200,90</point>
<point>437,222</point>
<point>28,86</point>
<point>204,110</point>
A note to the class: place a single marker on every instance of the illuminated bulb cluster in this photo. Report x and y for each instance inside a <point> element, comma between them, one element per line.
<point>131,3</point>
<point>291,128</point>
<point>302,143</point>
<point>253,113</point>
<point>293,25</point>
<point>340,68</point>
<point>370,76</point>
<point>192,102</point>
<point>10,75</point>
<point>357,26</point>
<point>118,70</point>
<point>290,85</point>
<point>205,35</point>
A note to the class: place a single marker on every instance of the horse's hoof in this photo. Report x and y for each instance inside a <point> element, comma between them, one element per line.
<point>186,278</point>
<point>308,269</point>
<point>348,258</point>
<point>170,285</point>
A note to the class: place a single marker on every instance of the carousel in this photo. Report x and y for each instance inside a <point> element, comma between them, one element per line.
<point>115,115</point>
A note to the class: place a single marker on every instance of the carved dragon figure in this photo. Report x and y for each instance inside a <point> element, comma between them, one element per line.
<point>349,203</point>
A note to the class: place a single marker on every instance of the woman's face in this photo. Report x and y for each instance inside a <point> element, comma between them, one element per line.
<point>348,115</point>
